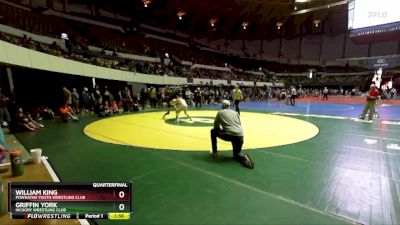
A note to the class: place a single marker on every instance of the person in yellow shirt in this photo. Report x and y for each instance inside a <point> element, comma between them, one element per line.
<point>237,96</point>
<point>153,97</point>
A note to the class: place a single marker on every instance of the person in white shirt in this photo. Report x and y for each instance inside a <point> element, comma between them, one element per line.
<point>293,96</point>
<point>353,92</point>
<point>180,105</point>
<point>392,93</point>
<point>188,94</point>
<point>325,92</point>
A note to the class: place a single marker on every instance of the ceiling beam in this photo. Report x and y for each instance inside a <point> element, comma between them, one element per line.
<point>303,11</point>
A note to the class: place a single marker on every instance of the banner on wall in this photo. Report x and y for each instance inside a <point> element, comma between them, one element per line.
<point>384,63</point>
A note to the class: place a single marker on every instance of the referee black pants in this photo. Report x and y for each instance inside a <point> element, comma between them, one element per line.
<point>293,100</point>
<point>237,142</point>
<point>237,106</point>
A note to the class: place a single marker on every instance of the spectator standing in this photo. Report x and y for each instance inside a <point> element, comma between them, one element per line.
<point>75,100</point>
<point>353,92</point>
<point>197,97</point>
<point>128,101</point>
<point>5,117</point>
<point>392,93</point>
<point>67,96</point>
<point>143,97</point>
<point>106,95</point>
<point>293,96</point>
<point>372,96</point>
<point>86,106</point>
<point>96,95</point>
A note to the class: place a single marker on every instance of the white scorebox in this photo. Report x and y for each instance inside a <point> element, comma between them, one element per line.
<point>368,13</point>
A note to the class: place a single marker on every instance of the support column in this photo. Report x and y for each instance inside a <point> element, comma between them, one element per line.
<point>344,45</point>
<point>398,48</point>
<point>280,47</point>
<point>299,56</point>
<point>369,49</point>
<point>321,42</point>
<point>65,2</point>
<point>10,79</point>
<point>226,44</point>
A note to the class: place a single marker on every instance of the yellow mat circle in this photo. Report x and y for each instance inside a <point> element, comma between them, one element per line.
<point>149,130</point>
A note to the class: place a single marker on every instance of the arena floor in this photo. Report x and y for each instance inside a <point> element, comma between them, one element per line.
<point>315,164</point>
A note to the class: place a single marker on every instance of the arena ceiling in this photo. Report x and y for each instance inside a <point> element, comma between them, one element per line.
<point>235,19</point>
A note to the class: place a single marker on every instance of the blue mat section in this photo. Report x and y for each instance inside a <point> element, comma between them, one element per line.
<point>387,112</point>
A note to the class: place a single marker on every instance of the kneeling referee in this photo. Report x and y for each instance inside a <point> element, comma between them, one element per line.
<point>227,126</point>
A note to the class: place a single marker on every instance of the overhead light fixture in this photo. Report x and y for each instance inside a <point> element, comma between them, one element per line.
<point>303,11</point>
<point>212,22</point>
<point>316,22</point>
<point>180,15</point>
<point>279,25</point>
<point>295,7</point>
<point>244,25</point>
<point>146,3</point>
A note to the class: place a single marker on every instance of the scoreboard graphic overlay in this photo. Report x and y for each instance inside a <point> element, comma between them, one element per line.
<point>70,200</point>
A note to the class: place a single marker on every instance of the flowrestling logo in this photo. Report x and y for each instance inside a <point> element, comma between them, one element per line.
<point>198,121</point>
<point>377,14</point>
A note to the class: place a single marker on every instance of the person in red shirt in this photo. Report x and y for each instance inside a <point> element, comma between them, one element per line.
<point>372,96</point>
<point>67,113</point>
<point>114,107</point>
<point>106,109</point>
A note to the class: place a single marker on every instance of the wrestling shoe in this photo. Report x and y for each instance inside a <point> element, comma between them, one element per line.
<point>214,154</point>
<point>248,162</point>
